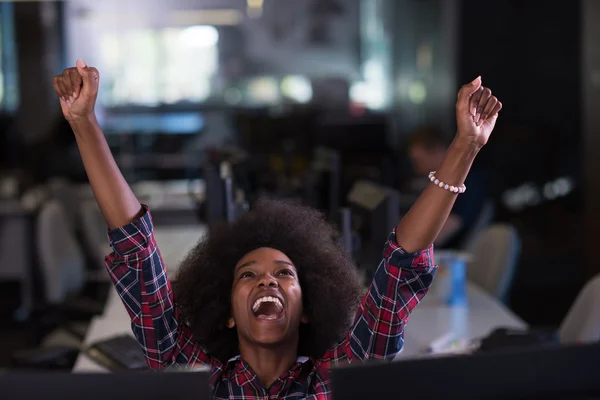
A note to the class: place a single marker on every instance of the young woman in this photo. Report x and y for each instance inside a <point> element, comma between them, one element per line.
<point>270,302</point>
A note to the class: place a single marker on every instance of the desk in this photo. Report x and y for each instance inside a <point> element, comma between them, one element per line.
<point>428,322</point>
<point>101,328</point>
<point>432,320</point>
<point>175,242</point>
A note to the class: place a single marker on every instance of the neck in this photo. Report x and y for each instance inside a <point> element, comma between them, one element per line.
<point>269,363</point>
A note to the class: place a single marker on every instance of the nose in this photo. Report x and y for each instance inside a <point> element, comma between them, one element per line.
<point>267,280</point>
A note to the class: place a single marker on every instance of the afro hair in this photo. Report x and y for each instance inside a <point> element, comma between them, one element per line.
<point>330,285</point>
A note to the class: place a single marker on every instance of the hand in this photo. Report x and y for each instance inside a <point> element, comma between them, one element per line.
<point>77,89</point>
<point>476,113</point>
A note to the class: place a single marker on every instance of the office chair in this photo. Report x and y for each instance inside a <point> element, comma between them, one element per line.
<point>580,325</point>
<point>94,234</point>
<point>64,191</point>
<point>62,275</point>
<point>582,322</point>
<point>495,255</point>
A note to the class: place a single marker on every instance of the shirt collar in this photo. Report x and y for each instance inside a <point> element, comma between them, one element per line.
<point>235,365</point>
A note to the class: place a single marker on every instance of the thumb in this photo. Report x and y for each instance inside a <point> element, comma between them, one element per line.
<point>465,93</point>
<point>90,78</point>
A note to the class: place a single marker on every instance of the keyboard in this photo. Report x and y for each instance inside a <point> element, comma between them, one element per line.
<point>119,353</point>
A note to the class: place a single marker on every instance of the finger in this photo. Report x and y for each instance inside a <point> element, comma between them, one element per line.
<point>465,93</point>
<point>492,118</point>
<point>57,88</point>
<point>66,79</point>
<point>474,101</point>
<point>75,81</point>
<point>488,108</point>
<point>496,109</point>
<point>485,96</point>
<point>63,88</point>
<point>90,78</point>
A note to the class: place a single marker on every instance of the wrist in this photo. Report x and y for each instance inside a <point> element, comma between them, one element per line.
<point>83,121</point>
<point>458,161</point>
<point>464,148</point>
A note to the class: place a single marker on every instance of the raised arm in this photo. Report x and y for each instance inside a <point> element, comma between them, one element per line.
<point>476,114</point>
<point>135,266</point>
<point>407,268</point>
<point>77,89</point>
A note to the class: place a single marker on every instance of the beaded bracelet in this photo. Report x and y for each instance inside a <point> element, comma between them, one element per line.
<point>454,189</point>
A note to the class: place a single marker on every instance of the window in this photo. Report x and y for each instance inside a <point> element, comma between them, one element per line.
<point>9,83</point>
<point>167,66</point>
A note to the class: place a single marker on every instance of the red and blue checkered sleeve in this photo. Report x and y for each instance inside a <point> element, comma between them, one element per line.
<point>137,271</point>
<point>399,284</point>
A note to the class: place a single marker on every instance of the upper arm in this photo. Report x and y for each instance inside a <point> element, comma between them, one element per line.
<point>140,278</point>
<point>400,282</point>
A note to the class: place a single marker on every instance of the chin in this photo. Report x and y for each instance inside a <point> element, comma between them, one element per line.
<point>271,333</point>
<point>269,340</point>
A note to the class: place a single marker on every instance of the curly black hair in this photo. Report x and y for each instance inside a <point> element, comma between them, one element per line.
<point>330,285</point>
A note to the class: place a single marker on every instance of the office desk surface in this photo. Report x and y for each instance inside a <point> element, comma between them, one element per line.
<point>430,321</point>
<point>175,242</point>
<point>100,328</point>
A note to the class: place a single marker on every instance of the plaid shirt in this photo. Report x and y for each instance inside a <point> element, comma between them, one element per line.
<point>137,271</point>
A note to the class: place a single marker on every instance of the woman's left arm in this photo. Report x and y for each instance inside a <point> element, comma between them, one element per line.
<point>476,114</point>
<point>407,268</point>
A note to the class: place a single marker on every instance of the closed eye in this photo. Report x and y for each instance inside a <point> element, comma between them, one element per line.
<point>285,272</point>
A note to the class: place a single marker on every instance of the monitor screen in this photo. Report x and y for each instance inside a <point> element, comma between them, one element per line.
<point>565,372</point>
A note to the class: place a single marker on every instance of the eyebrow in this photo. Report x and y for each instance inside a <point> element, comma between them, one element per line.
<point>252,262</point>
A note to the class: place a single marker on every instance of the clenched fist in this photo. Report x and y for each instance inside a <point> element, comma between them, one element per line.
<point>476,113</point>
<point>77,89</point>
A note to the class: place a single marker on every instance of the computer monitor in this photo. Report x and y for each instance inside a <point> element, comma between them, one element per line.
<point>220,200</point>
<point>116,386</point>
<point>560,372</point>
<point>375,212</point>
<point>323,188</point>
<point>345,229</point>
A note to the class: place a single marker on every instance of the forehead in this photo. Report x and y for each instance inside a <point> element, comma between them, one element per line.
<point>264,255</point>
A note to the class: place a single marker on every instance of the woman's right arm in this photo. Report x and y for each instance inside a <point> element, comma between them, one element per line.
<point>135,266</point>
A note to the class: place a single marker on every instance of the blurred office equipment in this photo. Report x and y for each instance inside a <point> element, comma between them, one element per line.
<point>223,201</point>
<point>495,254</point>
<point>484,219</point>
<point>323,189</point>
<point>560,372</point>
<point>118,353</point>
<point>375,212</point>
<point>345,227</point>
<point>582,322</point>
<point>63,312</point>
<point>121,386</point>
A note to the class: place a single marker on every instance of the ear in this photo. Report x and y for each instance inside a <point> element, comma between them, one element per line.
<point>230,323</point>
<point>304,318</point>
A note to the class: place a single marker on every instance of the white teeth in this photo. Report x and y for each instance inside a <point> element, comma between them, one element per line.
<point>261,300</point>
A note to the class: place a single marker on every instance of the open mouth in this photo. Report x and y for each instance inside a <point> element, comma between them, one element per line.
<point>268,308</point>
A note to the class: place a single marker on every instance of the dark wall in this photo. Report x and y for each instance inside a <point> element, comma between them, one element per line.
<point>529,54</point>
<point>591,132</point>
